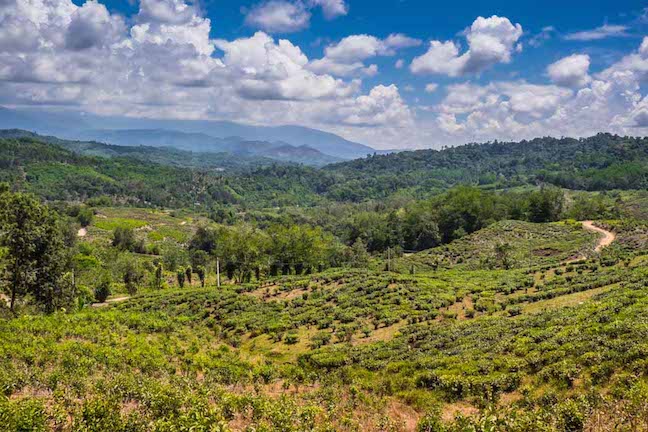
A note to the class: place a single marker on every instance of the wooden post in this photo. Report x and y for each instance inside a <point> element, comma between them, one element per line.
<point>218,272</point>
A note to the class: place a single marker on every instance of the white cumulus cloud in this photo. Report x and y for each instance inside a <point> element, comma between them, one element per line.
<point>490,41</point>
<point>431,87</point>
<point>164,63</point>
<point>346,57</point>
<point>331,8</point>
<point>279,16</point>
<point>287,16</point>
<point>571,71</point>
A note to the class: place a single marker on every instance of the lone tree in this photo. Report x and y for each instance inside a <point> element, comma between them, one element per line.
<point>132,277</point>
<point>503,255</point>
<point>124,238</point>
<point>188,273</point>
<point>103,290</point>
<point>200,270</point>
<point>159,274</point>
<point>36,254</point>
<point>181,278</point>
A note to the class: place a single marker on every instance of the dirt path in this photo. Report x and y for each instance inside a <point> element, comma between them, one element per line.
<point>109,301</point>
<point>82,232</point>
<point>607,238</point>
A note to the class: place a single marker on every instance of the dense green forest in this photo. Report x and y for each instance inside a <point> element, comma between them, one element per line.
<point>153,177</point>
<point>494,287</point>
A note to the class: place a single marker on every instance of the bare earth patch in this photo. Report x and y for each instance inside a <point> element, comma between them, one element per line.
<point>449,411</point>
<point>109,301</point>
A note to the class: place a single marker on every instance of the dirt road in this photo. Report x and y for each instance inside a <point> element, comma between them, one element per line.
<point>109,301</point>
<point>607,238</point>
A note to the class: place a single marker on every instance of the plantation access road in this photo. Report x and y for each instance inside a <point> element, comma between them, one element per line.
<point>606,240</point>
<point>109,301</point>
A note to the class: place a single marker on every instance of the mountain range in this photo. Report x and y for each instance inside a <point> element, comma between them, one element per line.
<point>284,143</point>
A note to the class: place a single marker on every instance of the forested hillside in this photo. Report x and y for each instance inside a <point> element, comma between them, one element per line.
<point>601,162</point>
<point>161,155</point>
<point>598,163</point>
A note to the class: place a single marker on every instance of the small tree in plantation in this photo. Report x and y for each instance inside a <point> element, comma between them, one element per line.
<point>181,278</point>
<point>188,272</point>
<point>200,270</point>
<point>132,277</point>
<point>103,290</point>
<point>159,275</point>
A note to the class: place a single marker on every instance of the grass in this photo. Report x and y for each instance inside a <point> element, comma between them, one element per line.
<point>530,244</point>
<point>114,223</point>
<point>568,300</point>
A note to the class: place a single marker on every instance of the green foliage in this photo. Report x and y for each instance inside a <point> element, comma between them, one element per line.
<point>159,276</point>
<point>124,238</point>
<point>490,302</point>
<point>180,276</point>
<point>201,272</point>
<point>103,290</point>
<point>133,277</point>
<point>35,245</point>
<point>546,205</point>
<point>85,216</point>
<point>601,162</point>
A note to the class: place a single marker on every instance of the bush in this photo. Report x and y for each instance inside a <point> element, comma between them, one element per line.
<point>514,310</point>
<point>430,422</point>
<point>103,290</point>
<point>291,339</point>
<point>85,216</point>
<point>124,238</point>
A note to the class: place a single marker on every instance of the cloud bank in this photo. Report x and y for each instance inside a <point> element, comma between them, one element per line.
<point>163,63</point>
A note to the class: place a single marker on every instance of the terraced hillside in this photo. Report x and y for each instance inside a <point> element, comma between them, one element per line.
<point>527,337</point>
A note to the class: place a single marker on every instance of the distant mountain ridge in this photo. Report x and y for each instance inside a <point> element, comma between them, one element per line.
<point>79,126</point>
<point>203,143</point>
<point>160,155</point>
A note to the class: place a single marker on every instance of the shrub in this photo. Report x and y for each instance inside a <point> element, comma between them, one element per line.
<point>514,310</point>
<point>291,339</point>
<point>103,290</point>
<point>430,422</point>
<point>181,278</point>
<point>85,216</point>
<point>124,238</point>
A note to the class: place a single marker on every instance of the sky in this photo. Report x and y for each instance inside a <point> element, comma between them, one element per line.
<point>391,74</point>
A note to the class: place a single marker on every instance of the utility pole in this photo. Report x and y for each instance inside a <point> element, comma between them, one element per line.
<point>218,272</point>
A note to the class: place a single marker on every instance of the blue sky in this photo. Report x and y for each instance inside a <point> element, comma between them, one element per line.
<point>494,70</point>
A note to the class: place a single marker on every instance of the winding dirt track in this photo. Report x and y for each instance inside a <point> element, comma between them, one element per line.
<point>109,301</point>
<point>607,238</point>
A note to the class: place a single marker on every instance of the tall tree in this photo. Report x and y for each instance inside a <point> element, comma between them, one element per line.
<point>36,253</point>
